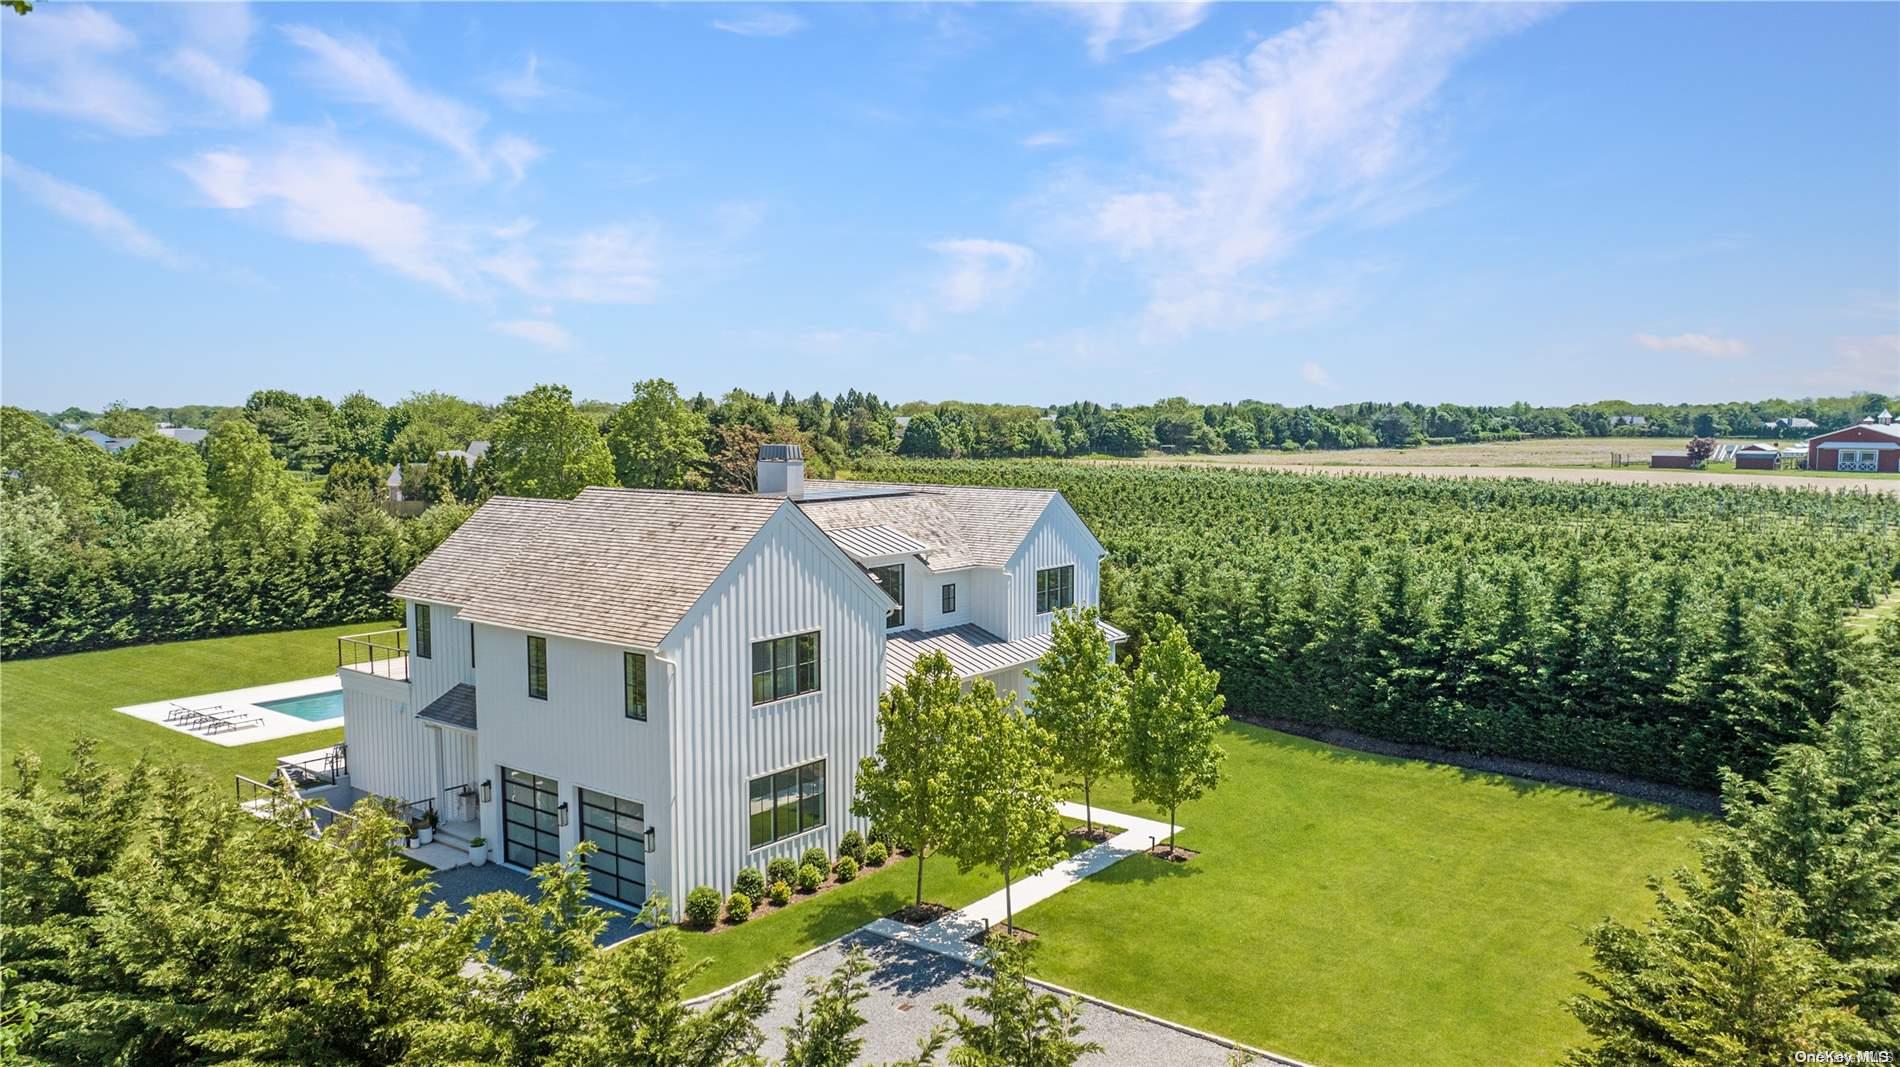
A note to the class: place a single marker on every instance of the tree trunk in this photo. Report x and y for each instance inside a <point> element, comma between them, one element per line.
<point>1171,831</point>
<point>1009,907</point>
<point>920,875</point>
<point>1088,811</point>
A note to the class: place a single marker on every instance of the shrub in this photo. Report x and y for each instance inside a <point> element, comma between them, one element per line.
<point>852,844</point>
<point>781,891</point>
<point>782,869</point>
<point>702,906</point>
<point>886,838</point>
<point>751,883</point>
<point>846,869</point>
<point>814,857</point>
<point>809,879</point>
<point>738,908</point>
<point>875,854</point>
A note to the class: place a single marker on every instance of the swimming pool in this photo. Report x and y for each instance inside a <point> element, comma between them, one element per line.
<point>313,708</point>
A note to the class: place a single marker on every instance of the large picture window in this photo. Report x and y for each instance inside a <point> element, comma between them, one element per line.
<point>634,666</point>
<point>424,639</point>
<point>784,667</point>
<point>891,578</point>
<point>786,803</point>
<point>538,668</point>
<point>1055,588</point>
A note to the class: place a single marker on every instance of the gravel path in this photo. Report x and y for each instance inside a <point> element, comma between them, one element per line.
<point>908,983</point>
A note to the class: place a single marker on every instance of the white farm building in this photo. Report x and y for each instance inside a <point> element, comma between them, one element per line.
<point>690,679</point>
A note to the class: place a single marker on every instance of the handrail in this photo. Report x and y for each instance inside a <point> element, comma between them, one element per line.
<point>375,652</point>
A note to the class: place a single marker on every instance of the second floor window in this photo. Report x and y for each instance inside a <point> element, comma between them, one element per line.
<point>636,671</point>
<point>891,578</point>
<point>950,598</point>
<point>538,667</point>
<point>784,667</point>
<point>1055,589</point>
<point>423,642</point>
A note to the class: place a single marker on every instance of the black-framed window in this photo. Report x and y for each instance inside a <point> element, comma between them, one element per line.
<point>786,803</point>
<point>634,667</point>
<point>1055,588</point>
<point>949,598</point>
<point>784,667</point>
<point>538,667</point>
<point>424,642</point>
<point>891,578</point>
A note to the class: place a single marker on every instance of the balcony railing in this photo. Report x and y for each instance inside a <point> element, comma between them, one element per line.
<point>382,652</point>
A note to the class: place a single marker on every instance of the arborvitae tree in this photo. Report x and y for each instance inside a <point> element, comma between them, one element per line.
<point>922,726</point>
<point>1564,642</point>
<point>1397,652</point>
<point>1079,695</point>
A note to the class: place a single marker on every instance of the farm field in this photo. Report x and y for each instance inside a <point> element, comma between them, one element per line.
<point>1564,460</point>
<point>45,703</point>
<point>1358,909</point>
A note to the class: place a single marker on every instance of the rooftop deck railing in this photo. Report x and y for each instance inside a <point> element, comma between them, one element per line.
<point>380,652</point>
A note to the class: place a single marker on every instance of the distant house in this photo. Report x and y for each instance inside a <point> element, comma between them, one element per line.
<point>114,445</point>
<point>903,423</point>
<point>1637,421</point>
<point>1757,458</point>
<point>1790,425</point>
<point>184,435</point>
<point>1868,447</point>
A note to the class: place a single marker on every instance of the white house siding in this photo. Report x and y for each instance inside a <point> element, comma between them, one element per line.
<point>933,617</point>
<point>461,765</point>
<point>789,580</point>
<point>391,753</point>
<point>447,665</point>
<point>579,736</point>
<point>990,600</point>
<point>1058,538</point>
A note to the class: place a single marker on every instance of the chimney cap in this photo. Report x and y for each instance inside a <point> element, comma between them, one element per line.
<point>783,452</point>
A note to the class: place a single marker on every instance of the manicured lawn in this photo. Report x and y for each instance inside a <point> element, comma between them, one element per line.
<point>1353,909</point>
<point>45,703</point>
<point>738,952</point>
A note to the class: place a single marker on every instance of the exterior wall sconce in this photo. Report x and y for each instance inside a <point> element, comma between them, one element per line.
<point>488,790</point>
<point>563,811</point>
<point>653,839</point>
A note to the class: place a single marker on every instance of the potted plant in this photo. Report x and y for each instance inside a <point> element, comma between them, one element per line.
<point>425,830</point>
<point>478,850</point>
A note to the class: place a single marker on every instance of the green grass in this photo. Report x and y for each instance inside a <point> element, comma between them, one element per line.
<point>1349,908</point>
<point>45,703</point>
<point>738,952</point>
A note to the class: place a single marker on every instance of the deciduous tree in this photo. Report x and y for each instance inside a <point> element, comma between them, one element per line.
<point>1002,797</point>
<point>657,440</point>
<point>905,787</point>
<point>542,447</point>
<point>1174,716</point>
<point>1079,695</point>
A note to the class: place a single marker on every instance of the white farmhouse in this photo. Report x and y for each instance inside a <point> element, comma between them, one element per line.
<point>690,679</point>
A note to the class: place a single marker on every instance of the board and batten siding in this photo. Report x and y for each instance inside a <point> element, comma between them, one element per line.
<point>447,665</point>
<point>391,753</point>
<point>1059,538</point>
<point>791,579</point>
<point>579,736</point>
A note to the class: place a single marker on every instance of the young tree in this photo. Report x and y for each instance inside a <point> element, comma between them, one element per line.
<point>120,421</point>
<point>903,789</point>
<point>1006,1023</point>
<point>1174,715</point>
<point>825,1031</point>
<point>1002,797</point>
<point>258,502</point>
<point>158,475</point>
<point>543,447</point>
<point>1079,695</point>
<point>657,440</point>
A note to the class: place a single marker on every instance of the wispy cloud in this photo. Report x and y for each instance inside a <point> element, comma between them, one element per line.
<point>770,23</point>
<point>1313,374</point>
<point>87,208</point>
<point>548,335</point>
<point>356,70</point>
<point>1122,29</point>
<point>614,264</point>
<point>315,189</point>
<point>1871,362</point>
<point>66,59</point>
<point>1246,157</point>
<point>1701,344</point>
<point>525,87</point>
<point>1048,139</point>
<point>211,60</point>
<point>516,153</point>
<point>980,272</point>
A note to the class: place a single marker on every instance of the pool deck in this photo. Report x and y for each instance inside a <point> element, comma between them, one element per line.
<point>243,704</point>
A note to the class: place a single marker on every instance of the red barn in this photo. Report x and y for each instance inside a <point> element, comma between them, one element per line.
<point>1757,458</point>
<point>1869,446</point>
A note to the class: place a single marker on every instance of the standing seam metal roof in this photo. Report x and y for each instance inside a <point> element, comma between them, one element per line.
<point>964,526</point>
<point>971,649</point>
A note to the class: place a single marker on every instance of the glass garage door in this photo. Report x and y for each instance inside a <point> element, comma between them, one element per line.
<point>618,828</point>
<point>530,818</point>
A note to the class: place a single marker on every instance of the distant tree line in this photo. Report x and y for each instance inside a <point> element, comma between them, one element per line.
<point>1658,632</point>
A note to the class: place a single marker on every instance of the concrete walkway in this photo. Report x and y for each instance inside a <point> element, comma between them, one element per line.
<point>950,935</point>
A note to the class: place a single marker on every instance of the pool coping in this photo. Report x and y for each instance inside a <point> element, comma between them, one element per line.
<point>275,725</point>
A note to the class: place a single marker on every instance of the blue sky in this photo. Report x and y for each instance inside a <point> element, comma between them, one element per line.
<point>1028,203</point>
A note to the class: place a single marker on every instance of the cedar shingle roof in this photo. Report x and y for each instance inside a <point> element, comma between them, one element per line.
<point>616,565</point>
<point>964,526</point>
<point>971,650</point>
